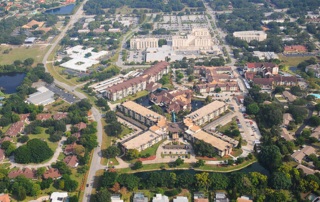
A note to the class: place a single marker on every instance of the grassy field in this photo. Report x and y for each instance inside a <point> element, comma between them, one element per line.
<point>292,61</point>
<point>21,53</point>
<point>152,150</point>
<point>45,137</point>
<point>133,97</point>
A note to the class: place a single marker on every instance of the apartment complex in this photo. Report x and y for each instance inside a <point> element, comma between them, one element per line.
<point>207,112</point>
<point>216,78</point>
<point>251,35</point>
<point>134,85</point>
<point>143,43</point>
<point>198,39</point>
<point>266,68</point>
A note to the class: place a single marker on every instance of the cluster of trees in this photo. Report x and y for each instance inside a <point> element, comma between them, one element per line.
<point>35,151</point>
<point>202,148</point>
<point>100,76</point>
<point>275,188</point>
<point>113,127</point>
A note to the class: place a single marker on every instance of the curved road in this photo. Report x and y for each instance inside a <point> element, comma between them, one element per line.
<point>95,163</point>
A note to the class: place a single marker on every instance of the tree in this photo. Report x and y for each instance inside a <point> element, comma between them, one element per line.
<point>253,108</point>
<point>280,180</point>
<point>178,162</point>
<point>217,90</point>
<point>218,181</point>
<point>137,165</point>
<point>108,179</point>
<point>202,180</point>
<point>114,128</point>
<point>208,99</point>
<point>103,196</point>
<point>132,154</point>
<point>279,90</point>
<point>270,157</point>
<point>28,61</point>
<point>317,107</point>
<point>116,187</point>
<point>21,193</point>
<point>199,163</point>
<point>129,181</point>
<point>111,152</point>
<point>314,121</point>
<point>165,79</point>
<point>23,139</point>
<point>270,115</point>
<point>111,116</point>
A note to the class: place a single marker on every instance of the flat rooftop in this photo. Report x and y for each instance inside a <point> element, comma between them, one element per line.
<point>205,110</point>
<point>143,111</point>
<point>210,139</point>
<point>140,140</point>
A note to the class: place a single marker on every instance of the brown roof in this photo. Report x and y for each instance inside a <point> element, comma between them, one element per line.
<point>5,139</point>
<point>4,198</point>
<point>27,172</point>
<point>295,48</point>
<point>71,161</point>
<point>126,84</point>
<point>289,96</point>
<point>2,156</point>
<point>43,117</point>
<point>279,78</point>
<point>31,23</point>
<point>23,117</point>
<point>60,115</point>
<point>15,128</point>
<point>243,200</point>
<point>81,125</point>
<point>263,81</point>
<point>155,69</point>
<point>69,149</point>
<point>52,173</point>
<point>201,200</point>
<point>250,75</point>
<point>260,64</point>
<point>77,135</point>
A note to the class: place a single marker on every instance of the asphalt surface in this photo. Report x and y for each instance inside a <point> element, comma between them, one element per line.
<point>68,97</point>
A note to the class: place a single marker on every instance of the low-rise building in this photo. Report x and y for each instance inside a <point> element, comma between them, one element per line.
<point>288,96</point>
<point>15,129</point>
<point>116,198</point>
<point>287,135</point>
<point>2,155</point>
<point>299,155</point>
<point>251,35</point>
<point>266,68</point>
<point>80,125</point>
<point>208,112</point>
<point>180,199</point>
<point>200,197</point>
<point>43,97</point>
<point>160,198</point>
<point>139,197</point>
<point>4,198</point>
<point>26,172</point>
<point>244,199</point>
<point>295,49</point>
<point>60,115</point>
<point>70,148</point>
<point>221,197</point>
<point>59,197</point>
<point>143,43</point>
<point>212,87</point>
<point>43,117</point>
<point>287,117</point>
<point>71,161</point>
<point>52,173</point>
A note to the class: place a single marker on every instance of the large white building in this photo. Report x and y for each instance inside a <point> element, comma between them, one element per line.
<point>251,35</point>
<point>143,43</point>
<point>43,96</point>
<point>198,39</point>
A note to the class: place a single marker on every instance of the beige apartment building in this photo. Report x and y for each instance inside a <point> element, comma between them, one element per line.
<point>208,112</point>
<point>137,84</point>
<point>198,39</point>
<point>251,35</point>
<point>143,43</point>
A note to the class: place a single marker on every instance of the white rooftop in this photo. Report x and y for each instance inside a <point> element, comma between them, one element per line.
<point>43,97</point>
<point>79,64</point>
<point>180,199</point>
<point>160,198</point>
<point>58,196</point>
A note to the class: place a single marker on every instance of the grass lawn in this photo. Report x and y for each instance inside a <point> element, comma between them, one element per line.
<point>292,61</point>
<point>5,165</point>
<point>152,150</point>
<point>237,152</point>
<point>125,131</point>
<point>132,97</point>
<point>44,136</point>
<point>21,53</point>
<point>57,106</point>
<point>228,126</point>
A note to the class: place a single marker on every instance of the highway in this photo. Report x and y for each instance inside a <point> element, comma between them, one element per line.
<point>96,158</point>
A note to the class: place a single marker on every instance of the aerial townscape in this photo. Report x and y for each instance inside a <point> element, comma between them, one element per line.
<point>160,101</point>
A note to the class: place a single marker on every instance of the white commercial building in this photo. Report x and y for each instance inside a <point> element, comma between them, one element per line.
<point>161,53</point>
<point>43,97</point>
<point>180,199</point>
<point>59,197</point>
<point>251,35</point>
<point>265,55</point>
<point>143,43</point>
<point>198,39</point>
<point>82,58</point>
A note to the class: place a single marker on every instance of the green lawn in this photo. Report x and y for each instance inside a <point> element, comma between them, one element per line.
<point>21,53</point>
<point>45,137</point>
<point>133,97</point>
<point>292,61</point>
<point>125,131</point>
<point>151,150</point>
<point>228,126</point>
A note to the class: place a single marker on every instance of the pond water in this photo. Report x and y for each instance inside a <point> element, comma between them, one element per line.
<point>10,81</point>
<point>64,10</point>
<point>255,167</point>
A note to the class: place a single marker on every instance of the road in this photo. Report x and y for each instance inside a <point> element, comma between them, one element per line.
<point>95,163</point>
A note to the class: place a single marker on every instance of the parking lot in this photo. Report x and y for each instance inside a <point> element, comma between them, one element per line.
<point>68,97</point>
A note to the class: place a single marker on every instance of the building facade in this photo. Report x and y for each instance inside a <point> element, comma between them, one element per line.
<point>251,35</point>
<point>143,43</point>
<point>198,39</point>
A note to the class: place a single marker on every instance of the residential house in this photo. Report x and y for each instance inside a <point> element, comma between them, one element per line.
<point>316,133</point>
<point>60,115</point>
<point>295,49</point>
<point>139,197</point>
<point>266,68</point>
<point>15,129</point>
<point>278,80</point>
<point>288,96</point>
<point>6,138</point>
<point>70,148</point>
<point>244,199</point>
<point>71,161</point>
<point>77,135</point>
<point>52,173</point>
<point>263,83</point>
<point>4,198</point>
<point>287,135</point>
<point>43,117</point>
<point>160,198</point>
<point>287,117</point>
<point>212,87</point>
<point>221,197</point>
<point>180,199</point>
<point>306,170</point>
<point>80,125</point>
<point>26,172</point>
<point>299,155</point>
<point>200,197</point>
<point>314,68</point>
<point>116,198</point>
<point>24,117</point>
<point>59,197</point>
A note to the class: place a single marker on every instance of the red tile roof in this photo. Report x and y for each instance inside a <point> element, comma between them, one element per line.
<point>52,173</point>
<point>24,117</point>
<point>263,81</point>
<point>27,172</point>
<point>5,139</point>
<point>43,117</point>
<point>60,115</point>
<point>69,149</point>
<point>296,48</point>
<point>4,198</point>
<point>15,128</point>
<point>71,161</point>
<point>260,64</point>
<point>81,125</point>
